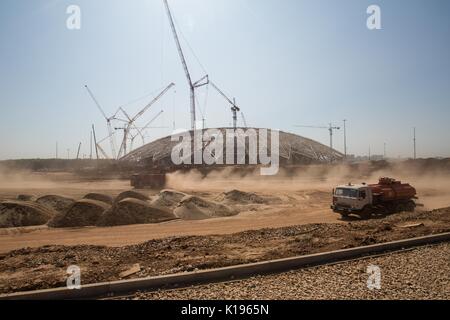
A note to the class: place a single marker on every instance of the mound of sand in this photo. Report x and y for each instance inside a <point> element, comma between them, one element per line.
<point>82,213</point>
<point>22,214</point>
<point>131,194</point>
<point>26,197</point>
<point>196,208</point>
<point>134,211</point>
<point>168,198</point>
<point>241,197</point>
<point>57,203</point>
<point>100,197</point>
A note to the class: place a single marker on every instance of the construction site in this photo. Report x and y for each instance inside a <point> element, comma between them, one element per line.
<point>126,215</point>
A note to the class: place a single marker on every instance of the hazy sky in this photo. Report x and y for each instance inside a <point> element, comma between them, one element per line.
<point>287,62</point>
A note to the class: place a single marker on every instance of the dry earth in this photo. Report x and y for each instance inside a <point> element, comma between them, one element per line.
<point>45,267</point>
<point>297,214</point>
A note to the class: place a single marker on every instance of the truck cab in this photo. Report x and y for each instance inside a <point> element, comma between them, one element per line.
<point>351,198</point>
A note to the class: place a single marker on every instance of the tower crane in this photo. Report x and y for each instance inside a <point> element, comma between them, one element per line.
<point>131,120</point>
<point>108,122</point>
<point>192,86</point>
<point>330,128</point>
<point>234,107</point>
<point>139,130</point>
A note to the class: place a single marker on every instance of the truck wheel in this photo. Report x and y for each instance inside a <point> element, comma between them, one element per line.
<point>400,208</point>
<point>366,213</point>
<point>410,206</point>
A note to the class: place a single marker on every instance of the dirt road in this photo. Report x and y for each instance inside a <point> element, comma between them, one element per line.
<point>12,239</point>
<point>304,202</point>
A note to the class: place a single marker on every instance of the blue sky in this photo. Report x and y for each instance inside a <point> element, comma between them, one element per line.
<point>288,62</point>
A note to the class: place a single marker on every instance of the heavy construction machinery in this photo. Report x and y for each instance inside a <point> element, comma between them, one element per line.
<point>155,179</point>
<point>387,197</point>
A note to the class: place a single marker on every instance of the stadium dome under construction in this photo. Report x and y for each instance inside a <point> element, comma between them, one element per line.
<point>294,150</point>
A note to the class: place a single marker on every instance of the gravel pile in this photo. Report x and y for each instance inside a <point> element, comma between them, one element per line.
<point>23,213</point>
<point>55,202</point>
<point>82,213</point>
<point>131,194</point>
<point>100,197</point>
<point>133,211</point>
<point>418,274</point>
<point>168,198</point>
<point>196,208</point>
<point>241,197</point>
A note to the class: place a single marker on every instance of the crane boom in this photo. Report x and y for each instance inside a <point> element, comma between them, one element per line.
<point>316,127</point>
<point>224,95</point>
<point>78,152</point>
<point>139,130</point>
<point>330,128</point>
<point>244,120</point>
<point>95,141</point>
<point>234,107</point>
<point>96,102</point>
<point>130,124</point>
<point>154,118</point>
<point>108,122</point>
<point>183,62</point>
<point>151,103</point>
<point>102,151</point>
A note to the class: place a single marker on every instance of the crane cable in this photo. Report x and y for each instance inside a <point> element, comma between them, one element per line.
<point>150,94</point>
<point>189,46</point>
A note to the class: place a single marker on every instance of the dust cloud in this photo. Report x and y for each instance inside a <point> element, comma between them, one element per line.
<point>432,182</point>
<point>12,179</point>
<point>14,182</point>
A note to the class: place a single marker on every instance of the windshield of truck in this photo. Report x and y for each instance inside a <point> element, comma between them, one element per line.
<point>346,192</point>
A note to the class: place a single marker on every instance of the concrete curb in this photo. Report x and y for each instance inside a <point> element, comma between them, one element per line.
<point>221,274</point>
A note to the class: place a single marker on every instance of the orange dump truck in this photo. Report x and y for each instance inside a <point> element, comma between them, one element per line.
<point>386,197</point>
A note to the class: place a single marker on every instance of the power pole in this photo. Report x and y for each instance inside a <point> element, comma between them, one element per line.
<point>90,146</point>
<point>370,154</point>
<point>56,149</point>
<point>385,150</point>
<point>68,154</point>
<point>345,138</point>
<point>414,139</point>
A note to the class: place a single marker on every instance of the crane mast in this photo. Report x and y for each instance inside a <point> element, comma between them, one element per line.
<point>234,107</point>
<point>185,67</point>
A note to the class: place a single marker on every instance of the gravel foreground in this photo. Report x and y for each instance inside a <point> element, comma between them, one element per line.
<point>46,267</point>
<point>422,273</point>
